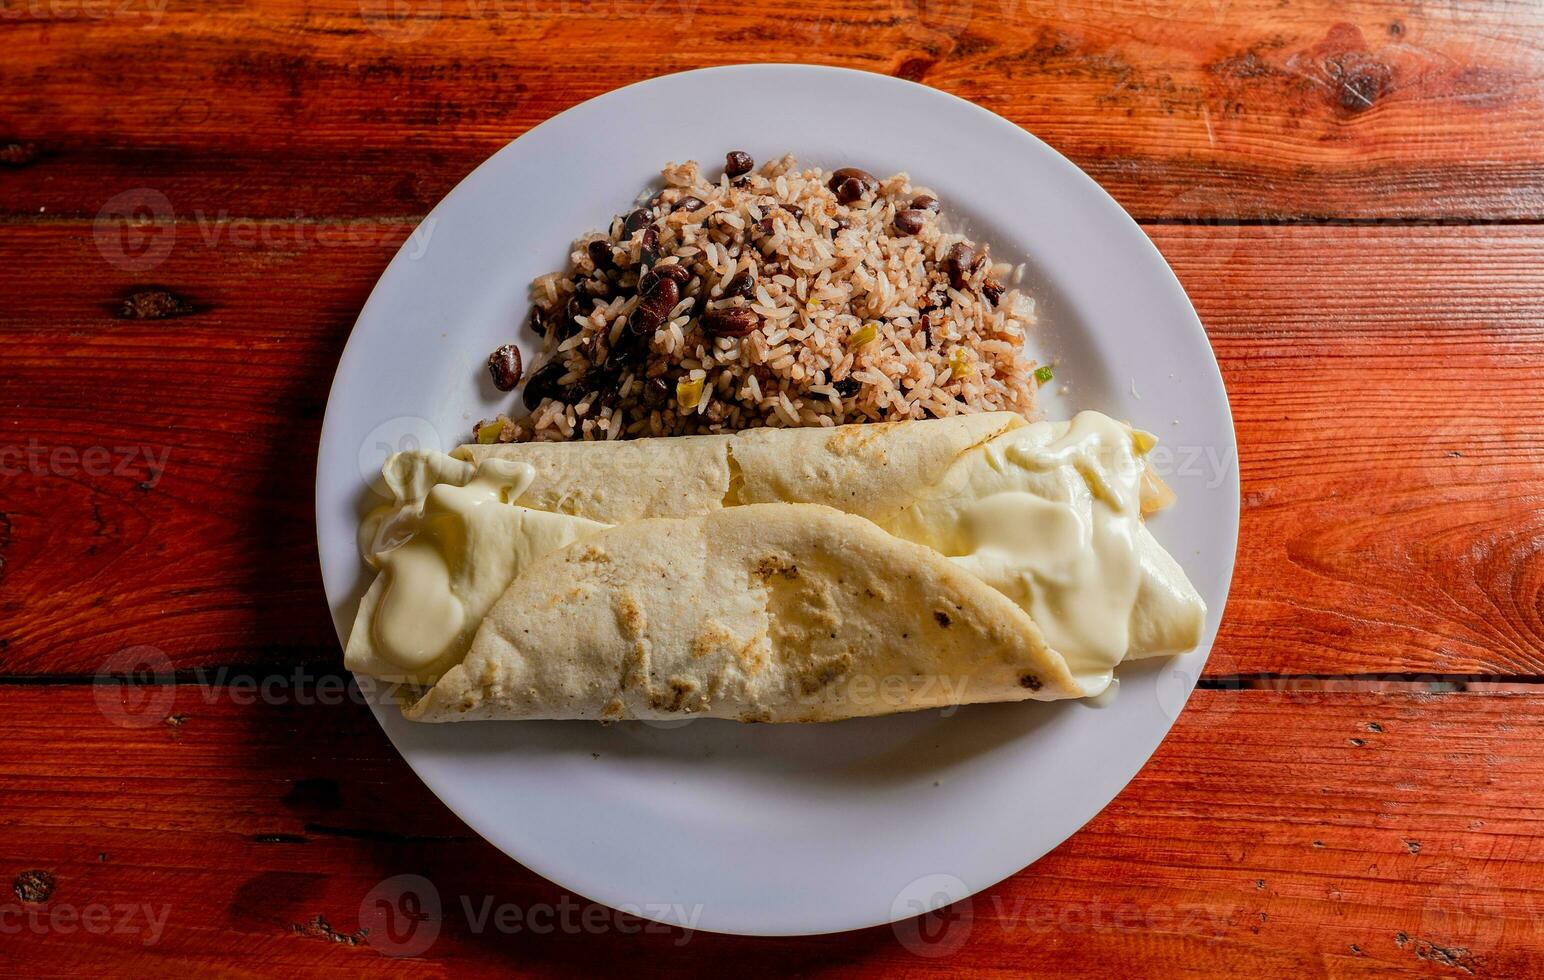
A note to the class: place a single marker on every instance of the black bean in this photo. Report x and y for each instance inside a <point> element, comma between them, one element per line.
<point>992,290</point>
<point>910,221</point>
<point>847,387</point>
<point>729,323</point>
<point>849,184</point>
<point>765,226</point>
<point>629,349</point>
<point>571,312</point>
<point>504,365</point>
<point>923,202</point>
<point>737,163</point>
<point>537,321</point>
<point>793,209</point>
<point>840,225</point>
<point>544,383</point>
<point>689,204</point>
<point>742,283</point>
<point>926,323</point>
<point>633,222</point>
<point>658,389</point>
<point>600,254</point>
<point>649,253</point>
<point>957,264</point>
<point>654,306</point>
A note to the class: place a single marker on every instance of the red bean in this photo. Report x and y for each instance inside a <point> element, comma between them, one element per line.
<point>504,366</point>
<point>738,163</point>
<point>910,221</point>
<point>850,184</point>
<point>958,262</point>
<point>729,323</point>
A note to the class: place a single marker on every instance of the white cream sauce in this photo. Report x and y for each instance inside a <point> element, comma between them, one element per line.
<point>447,552</point>
<point>1049,514</point>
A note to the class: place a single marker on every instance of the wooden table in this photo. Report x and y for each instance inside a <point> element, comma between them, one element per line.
<point>1350,191</point>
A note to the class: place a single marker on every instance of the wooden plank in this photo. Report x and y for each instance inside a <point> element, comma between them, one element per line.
<point>1384,387</point>
<point>1274,832</point>
<point>338,108</point>
<point>1383,382</point>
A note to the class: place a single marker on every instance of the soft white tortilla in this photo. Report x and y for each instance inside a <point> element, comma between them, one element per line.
<point>872,471</point>
<point>769,612</point>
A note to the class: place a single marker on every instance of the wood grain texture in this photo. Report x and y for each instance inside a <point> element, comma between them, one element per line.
<point>1384,385</point>
<point>1192,108</point>
<point>1274,833</point>
<point>1385,394</point>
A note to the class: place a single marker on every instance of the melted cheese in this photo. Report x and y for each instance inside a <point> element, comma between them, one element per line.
<point>1049,514</point>
<point>446,552</point>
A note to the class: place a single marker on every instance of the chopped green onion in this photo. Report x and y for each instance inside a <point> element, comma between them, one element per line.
<point>488,432</point>
<point>1043,374</point>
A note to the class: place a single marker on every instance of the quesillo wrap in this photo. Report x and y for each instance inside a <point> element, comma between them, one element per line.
<point>773,574</point>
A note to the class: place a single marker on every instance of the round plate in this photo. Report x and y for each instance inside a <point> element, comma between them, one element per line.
<point>786,829</point>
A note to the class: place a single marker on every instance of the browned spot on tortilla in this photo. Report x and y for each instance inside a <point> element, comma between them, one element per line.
<point>612,710</point>
<point>943,618</point>
<point>711,637</point>
<point>630,618</point>
<point>771,565</point>
<point>822,672</point>
<point>1030,681</point>
<point>849,440</point>
<point>756,717</point>
<point>592,555</point>
<point>749,656</point>
<point>680,689</point>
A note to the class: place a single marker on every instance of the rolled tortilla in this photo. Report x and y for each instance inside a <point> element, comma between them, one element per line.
<point>1030,533</point>
<point>766,612</point>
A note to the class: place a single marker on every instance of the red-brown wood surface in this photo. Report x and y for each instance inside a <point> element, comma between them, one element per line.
<point>1351,193</point>
<point>1213,108</point>
<point>1275,833</point>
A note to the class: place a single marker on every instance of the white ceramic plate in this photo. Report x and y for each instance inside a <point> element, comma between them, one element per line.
<point>768,829</point>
